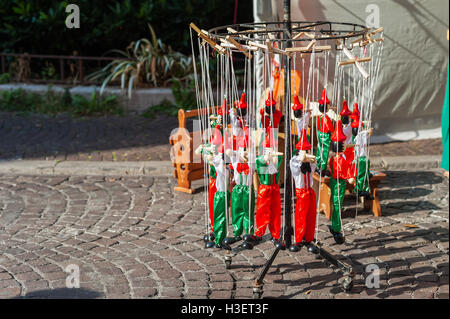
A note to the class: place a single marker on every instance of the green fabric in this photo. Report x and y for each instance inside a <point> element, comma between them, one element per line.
<point>261,169</point>
<point>362,180</point>
<point>444,125</point>
<point>323,146</point>
<point>220,216</point>
<point>338,201</point>
<point>242,220</point>
<point>212,171</point>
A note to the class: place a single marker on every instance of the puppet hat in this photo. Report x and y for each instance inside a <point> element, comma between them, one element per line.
<point>324,99</point>
<point>355,112</point>
<point>243,140</point>
<point>270,140</point>
<point>223,110</point>
<point>242,104</point>
<point>297,105</point>
<point>270,101</point>
<point>345,111</point>
<point>355,122</point>
<point>303,144</point>
<point>338,134</point>
<point>217,136</point>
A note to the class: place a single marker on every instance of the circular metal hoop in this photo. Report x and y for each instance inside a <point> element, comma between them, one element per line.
<point>322,30</point>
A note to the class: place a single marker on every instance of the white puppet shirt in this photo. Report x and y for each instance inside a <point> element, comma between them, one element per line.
<point>361,143</point>
<point>243,172</point>
<point>347,128</point>
<point>303,122</point>
<point>221,172</point>
<point>301,180</point>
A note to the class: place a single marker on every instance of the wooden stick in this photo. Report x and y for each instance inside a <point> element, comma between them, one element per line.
<point>353,61</point>
<point>310,45</point>
<point>231,30</point>
<point>239,46</point>
<point>352,57</point>
<point>305,49</point>
<point>375,31</point>
<point>269,49</point>
<point>213,44</point>
<point>264,47</point>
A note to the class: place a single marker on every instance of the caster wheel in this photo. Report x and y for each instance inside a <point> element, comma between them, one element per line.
<point>347,284</point>
<point>257,295</point>
<point>227,264</point>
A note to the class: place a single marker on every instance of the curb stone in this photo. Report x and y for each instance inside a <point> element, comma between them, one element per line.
<point>155,168</point>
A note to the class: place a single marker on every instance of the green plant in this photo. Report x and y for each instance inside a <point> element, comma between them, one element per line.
<point>5,78</point>
<point>146,61</point>
<point>52,103</point>
<point>48,72</point>
<point>184,94</point>
<point>37,26</point>
<point>95,105</point>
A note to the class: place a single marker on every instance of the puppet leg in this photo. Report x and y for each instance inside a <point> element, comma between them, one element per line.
<point>323,146</point>
<point>263,209</point>
<point>362,184</point>
<point>275,211</point>
<point>337,194</point>
<point>311,215</point>
<point>301,209</point>
<point>220,220</point>
<point>249,216</point>
<point>211,192</point>
<point>237,209</point>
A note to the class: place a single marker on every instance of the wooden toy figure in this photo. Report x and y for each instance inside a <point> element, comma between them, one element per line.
<point>324,130</point>
<point>243,196</point>
<point>361,160</point>
<point>340,172</point>
<point>268,203</point>
<point>302,167</point>
<point>207,151</point>
<point>222,195</point>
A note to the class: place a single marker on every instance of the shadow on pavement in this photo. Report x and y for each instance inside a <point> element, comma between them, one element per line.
<point>62,293</point>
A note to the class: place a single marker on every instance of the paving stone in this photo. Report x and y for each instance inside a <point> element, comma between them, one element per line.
<point>121,253</point>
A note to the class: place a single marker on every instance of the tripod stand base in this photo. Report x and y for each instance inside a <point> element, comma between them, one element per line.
<point>320,253</point>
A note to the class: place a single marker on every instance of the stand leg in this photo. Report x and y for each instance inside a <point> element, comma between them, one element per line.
<point>347,270</point>
<point>258,284</point>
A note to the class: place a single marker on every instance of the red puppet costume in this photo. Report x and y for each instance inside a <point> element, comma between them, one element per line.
<point>305,208</point>
<point>268,203</point>
<point>340,172</point>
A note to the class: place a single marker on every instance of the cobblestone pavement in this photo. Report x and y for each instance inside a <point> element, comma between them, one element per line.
<point>114,138</point>
<point>134,237</point>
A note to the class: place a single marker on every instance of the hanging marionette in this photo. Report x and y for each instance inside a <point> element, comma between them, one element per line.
<point>222,195</point>
<point>207,150</point>
<point>324,130</point>
<point>302,168</point>
<point>361,162</point>
<point>243,197</point>
<point>340,171</point>
<point>268,203</point>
